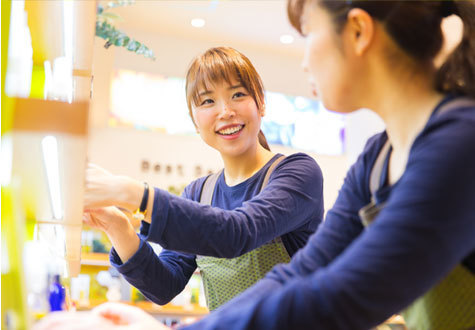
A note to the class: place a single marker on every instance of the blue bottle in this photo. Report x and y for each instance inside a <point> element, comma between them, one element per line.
<point>56,295</point>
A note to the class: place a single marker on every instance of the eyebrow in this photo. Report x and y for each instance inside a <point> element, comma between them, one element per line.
<point>206,92</point>
<point>235,87</point>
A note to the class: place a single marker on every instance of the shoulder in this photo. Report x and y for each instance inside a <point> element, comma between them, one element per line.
<point>448,137</point>
<point>460,119</point>
<point>298,165</point>
<point>193,190</point>
<point>298,161</point>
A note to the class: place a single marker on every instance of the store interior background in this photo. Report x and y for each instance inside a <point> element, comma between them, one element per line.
<point>253,27</point>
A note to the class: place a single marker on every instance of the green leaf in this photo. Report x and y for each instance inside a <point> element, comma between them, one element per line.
<point>113,36</point>
<point>122,40</point>
<point>111,16</point>
<point>133,46</point>
<point>119,3</point>
<point>100,9</point>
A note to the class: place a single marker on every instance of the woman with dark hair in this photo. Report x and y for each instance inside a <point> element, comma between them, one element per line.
<point>401,234</point>
<point>264,205</point>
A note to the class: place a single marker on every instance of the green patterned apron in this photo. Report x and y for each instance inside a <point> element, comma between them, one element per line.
<point>450,304</point>
<point>225,278</point>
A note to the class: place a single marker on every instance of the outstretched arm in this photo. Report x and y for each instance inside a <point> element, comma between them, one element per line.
<point>159,278</point>
<point>426,229</point>
<point>105,189</point>
<point>291,200</point>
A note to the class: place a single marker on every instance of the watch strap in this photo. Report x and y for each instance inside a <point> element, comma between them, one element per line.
<point>142,210</point>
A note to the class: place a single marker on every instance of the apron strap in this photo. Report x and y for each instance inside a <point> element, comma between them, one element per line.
<point>208,188</point>
<point>377,170</point>
<point>210,183</point>
<point>270,170</point>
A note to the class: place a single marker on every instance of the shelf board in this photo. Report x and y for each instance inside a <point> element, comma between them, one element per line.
<point>95,259</point>
<point>167,310</point>
<point>172,310</point>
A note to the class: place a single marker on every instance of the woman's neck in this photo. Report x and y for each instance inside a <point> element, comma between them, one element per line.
<point>405,103</point>
<point>240,168</point>
<point>405,106</point>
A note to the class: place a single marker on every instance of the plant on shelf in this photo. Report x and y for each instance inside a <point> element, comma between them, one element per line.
<point>113,36</point>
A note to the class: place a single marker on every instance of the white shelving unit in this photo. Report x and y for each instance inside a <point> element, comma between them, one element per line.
<point>49,136</point>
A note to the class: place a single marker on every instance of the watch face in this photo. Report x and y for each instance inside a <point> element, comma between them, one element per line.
<point>139,216</point>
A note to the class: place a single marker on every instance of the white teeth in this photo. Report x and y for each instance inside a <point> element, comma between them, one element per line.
<point>230,130</point>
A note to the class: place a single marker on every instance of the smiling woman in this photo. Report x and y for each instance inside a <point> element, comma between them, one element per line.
<point>400,234</point>
<point>265,205</point>
<point>225,97</point>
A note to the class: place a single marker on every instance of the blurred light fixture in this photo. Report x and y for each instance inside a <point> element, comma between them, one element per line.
<point>68,29</point>
<point>198,22</point>
<point>286,39</point>
<point>51,161</point>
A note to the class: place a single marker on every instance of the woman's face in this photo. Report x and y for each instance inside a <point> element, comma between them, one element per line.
<point>227,118</point>
<point>329,61</point>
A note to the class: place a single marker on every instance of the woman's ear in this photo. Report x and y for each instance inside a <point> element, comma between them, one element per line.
<point>360,29</point>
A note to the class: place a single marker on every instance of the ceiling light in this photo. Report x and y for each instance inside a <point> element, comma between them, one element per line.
<point>198,22</point>
<point>286,39</point>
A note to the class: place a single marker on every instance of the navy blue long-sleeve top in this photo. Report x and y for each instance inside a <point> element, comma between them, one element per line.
<point>240,219</point>
<point>348,277</point>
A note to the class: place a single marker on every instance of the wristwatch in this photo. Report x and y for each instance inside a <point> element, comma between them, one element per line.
<point>140,213</point>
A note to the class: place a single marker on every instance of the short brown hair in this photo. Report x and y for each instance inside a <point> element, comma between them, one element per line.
<point>222,64</point>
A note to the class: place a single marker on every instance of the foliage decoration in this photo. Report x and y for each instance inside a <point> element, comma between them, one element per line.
<point>106,30</point>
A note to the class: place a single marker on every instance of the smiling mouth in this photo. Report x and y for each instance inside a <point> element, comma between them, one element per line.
<point>231,130</point>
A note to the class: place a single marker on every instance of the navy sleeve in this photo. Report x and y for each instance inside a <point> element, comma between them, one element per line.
<point>159,278</point>
<point>292,197</point>
<point>425,230</point>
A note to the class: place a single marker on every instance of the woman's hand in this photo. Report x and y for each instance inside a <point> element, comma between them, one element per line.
<point>117,227</point>
<point>108,219</point>
<point>108,316</point>
<point>105,189</point>
<point>74,321</point>
<point>122,314</point>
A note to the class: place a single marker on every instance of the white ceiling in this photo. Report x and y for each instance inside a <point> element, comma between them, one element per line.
<point>255,23</point>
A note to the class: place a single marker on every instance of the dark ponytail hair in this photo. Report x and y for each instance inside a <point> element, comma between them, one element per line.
<point>415,26</point>
<point>457,74</point>
<point>263,140</point>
